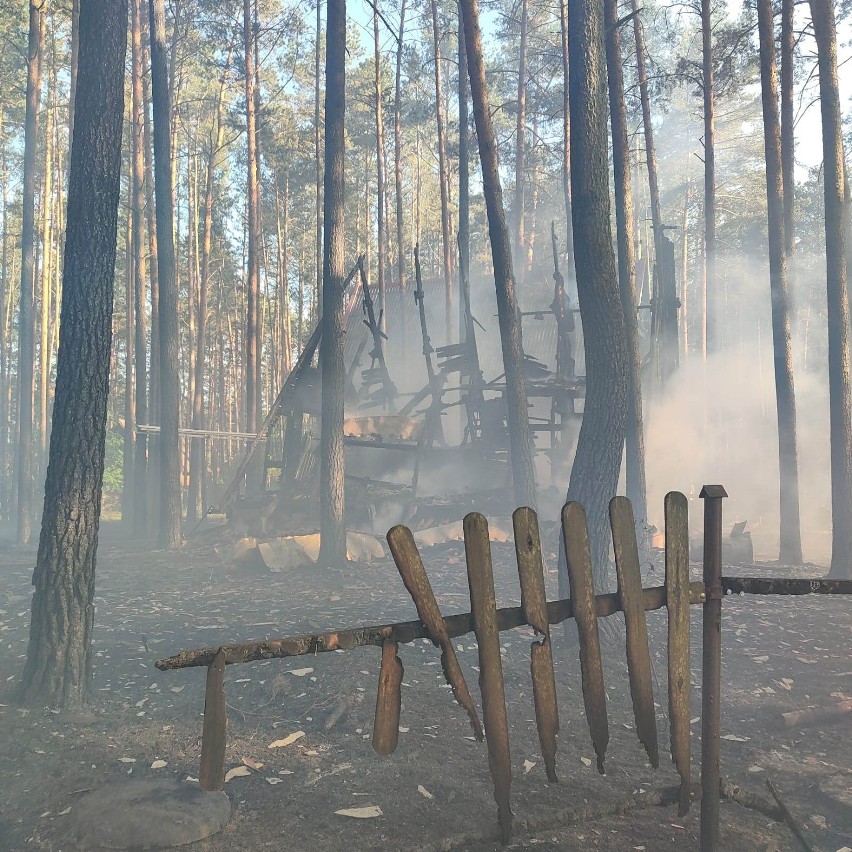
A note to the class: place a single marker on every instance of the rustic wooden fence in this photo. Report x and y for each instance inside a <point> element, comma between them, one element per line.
<point>486,621</point>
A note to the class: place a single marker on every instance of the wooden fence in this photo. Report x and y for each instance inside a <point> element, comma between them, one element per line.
<point>486,621</point>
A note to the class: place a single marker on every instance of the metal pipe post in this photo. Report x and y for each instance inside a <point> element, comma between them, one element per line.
<point>711,711</point>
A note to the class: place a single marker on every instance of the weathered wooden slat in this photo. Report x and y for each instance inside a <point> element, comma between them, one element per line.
<point>575,535</point>
<point>404,631</point>
<point>388,701</point>
<point>211,775</point>
<point>630,595</point>
<point>483,604</point>
<point>534,605</point>
<point>410,567</point>
<point>785,586</point>
<point>677,604</point>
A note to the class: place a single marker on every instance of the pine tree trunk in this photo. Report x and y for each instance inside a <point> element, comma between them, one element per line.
<point>443,176</point>
<point>397,160</point>
<point>58,666</point>
<point>169,444</point>
<point>252,336</point>
<point>332,523</point>
<point>380,168</point>
<point>791,538</point>
<point>523,469</point>
<point>635,439</point>
<point>711,333</point>
<point>597,461</point>
<point>840,397</point>
<point>520,142</point>
<point>566,143</point>
<point>788,145</point>
<point>464,173</point>
<point>318,168</point>
<point>26,316</point>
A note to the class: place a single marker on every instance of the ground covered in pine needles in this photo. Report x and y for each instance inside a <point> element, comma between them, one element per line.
<point>434,792</point>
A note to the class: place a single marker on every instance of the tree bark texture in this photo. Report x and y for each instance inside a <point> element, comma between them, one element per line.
<point>332,524</point>
<point>790,552</point>
<point>58,667</point>
<point>597,462</point>
<point>710,283</point>
<point>840,398</point>
<point>252,336</point>
<point>523,470</point>
<point>169,383</point>
<point>397,158</point>
<point>520,140</point>
<point>443,176</point>
<point>624,222</point>
<point>566,141</point>
<point>381,224</point>
<point>788,145</point>
<point>26,309</point>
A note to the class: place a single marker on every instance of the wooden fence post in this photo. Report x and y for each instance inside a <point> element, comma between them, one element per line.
<point>212,773</point>
<point>711,712</point>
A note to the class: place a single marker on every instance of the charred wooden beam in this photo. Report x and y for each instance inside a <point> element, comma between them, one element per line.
<point>405,631</point>
<point>784,586</point>
<point>212,773</point>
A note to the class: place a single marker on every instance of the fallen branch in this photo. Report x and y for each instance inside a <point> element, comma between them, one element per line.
<point>749,799</point>
<point>816,715</point>
<point>792,822</point>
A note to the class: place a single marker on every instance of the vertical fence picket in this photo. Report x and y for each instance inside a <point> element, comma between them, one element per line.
<point>534,604</point>
<point>575,534</point>
<point>388,701</point>
<point>630,597</point>
<point>483,604</point>
<point>212,772</point>
<point>677,606</point>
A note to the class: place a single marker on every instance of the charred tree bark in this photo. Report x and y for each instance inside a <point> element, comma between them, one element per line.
<point>58,667</point>
<point>520,140</point>
<point>790,552</point>
<point>26,312</point>
<point>443,177</point>
<point>138,249</point>
<point>635,439</point>
<point>840,397</point>
<point>252,335</point>
<point>318,168</point>
<point>332,524</point>
<point>710,284</point>
<point>597,462</point>
<point>169,384</point>
<point>523,470</point>
<point>566,141</point>
<point>464,174</point>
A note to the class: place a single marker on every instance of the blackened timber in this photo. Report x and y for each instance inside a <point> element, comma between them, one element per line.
<point>406,631</point>
<point>377,353</point>
<point>783,586</point>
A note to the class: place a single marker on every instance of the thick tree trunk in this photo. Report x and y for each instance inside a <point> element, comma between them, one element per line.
<point>840,397</point>
<point>464,175</point>
<point>566,142</point>
<point>635,439</point>
<point>397,159</point>
<point>520,142</point>
<point>58,667</point>
<point>137,136</point>
<point>26,315</point>
<point>169,444</point>
<point>785,400</point>
<point>523,469</point>
<point>332,524</point>
<point>443,175</point>
<point>318,167</point>
<point>597,462</point>
<point>74,62</point>
<point>252,336</point>
<point>711,333</point>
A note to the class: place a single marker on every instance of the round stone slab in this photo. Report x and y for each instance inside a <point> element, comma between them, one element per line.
<point>148,814</point>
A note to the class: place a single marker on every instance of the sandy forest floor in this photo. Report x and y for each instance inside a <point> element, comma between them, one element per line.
<point>434,792</point>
